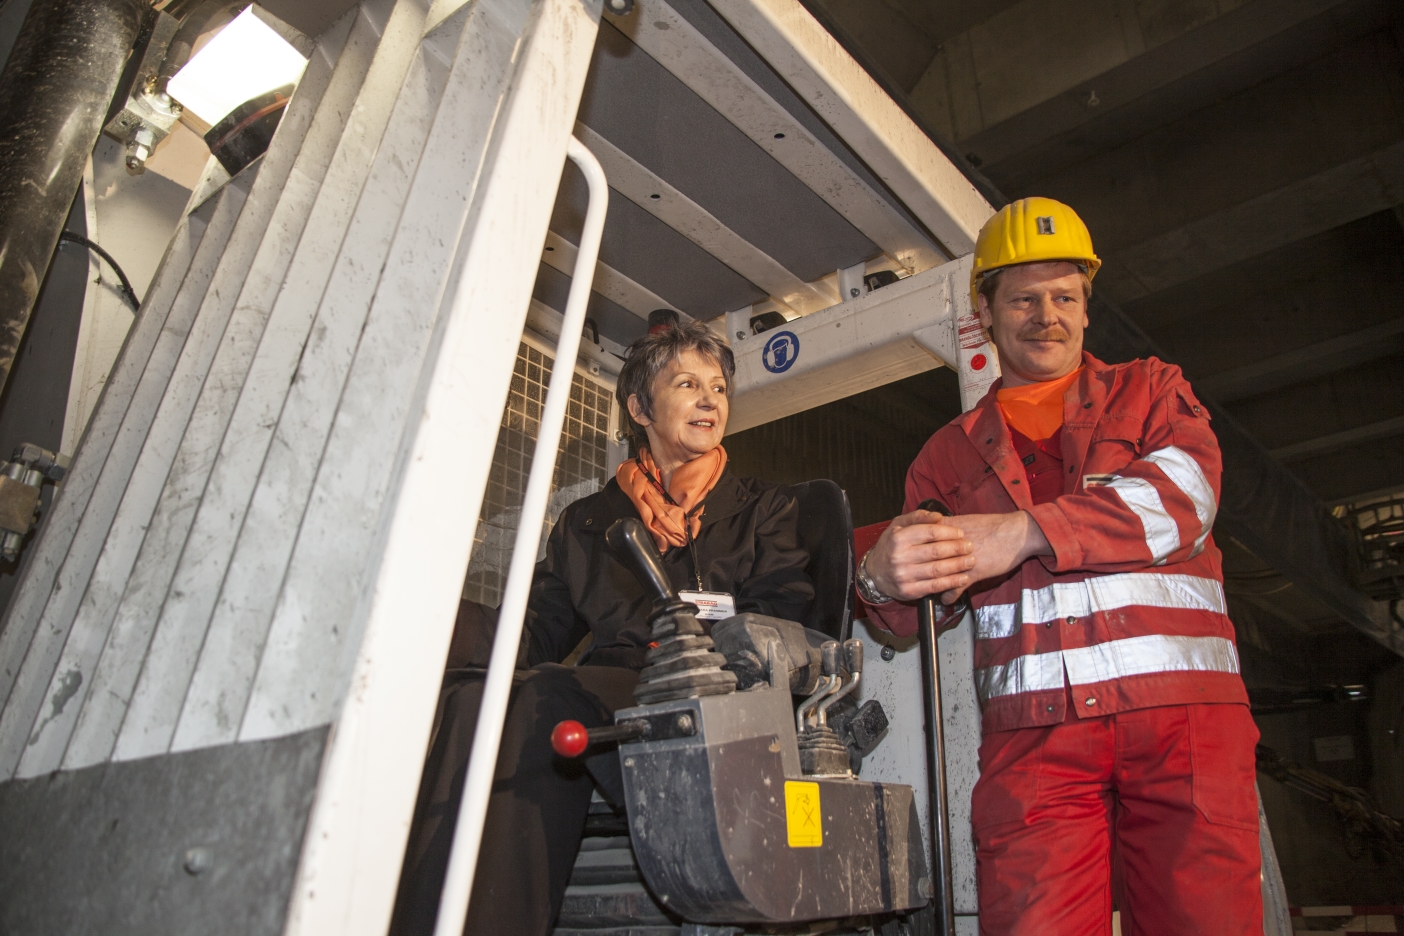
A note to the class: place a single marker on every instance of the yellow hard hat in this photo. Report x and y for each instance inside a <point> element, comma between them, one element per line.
<point>1031,230</point>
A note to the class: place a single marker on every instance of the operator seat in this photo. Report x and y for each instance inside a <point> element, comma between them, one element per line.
<point>826,530</point>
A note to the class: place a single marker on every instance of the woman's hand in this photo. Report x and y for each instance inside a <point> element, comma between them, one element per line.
<point>923,553</point>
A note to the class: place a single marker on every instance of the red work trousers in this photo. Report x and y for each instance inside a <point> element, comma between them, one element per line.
<point>1154,808</point>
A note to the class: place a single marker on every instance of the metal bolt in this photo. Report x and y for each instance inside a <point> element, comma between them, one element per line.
<point>888,653</point>
<point>684,722</point>
<point>741,334</point>
<point>628,762</point>
<point>198,860</point>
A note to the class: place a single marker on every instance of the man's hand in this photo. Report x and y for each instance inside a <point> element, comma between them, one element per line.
<point>920,554</point>
<point>923,553</point>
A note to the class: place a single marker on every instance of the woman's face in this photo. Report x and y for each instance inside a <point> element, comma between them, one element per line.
<point>689,409</point>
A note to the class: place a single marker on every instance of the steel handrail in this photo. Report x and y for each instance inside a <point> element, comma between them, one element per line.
<point>472,812</point>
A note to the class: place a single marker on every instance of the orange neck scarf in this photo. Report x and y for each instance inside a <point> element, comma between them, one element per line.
<point>673,517</point>
<point>1036,409</point>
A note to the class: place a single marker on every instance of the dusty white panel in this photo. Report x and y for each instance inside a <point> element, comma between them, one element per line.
<point>679,47</point>
<point>87,634</point>
<point>842,350</point>
<point>655,195</point>
<point>163,685</point>
<point>22,710</point>
<point>240,286</point>
<point>355,839</point>
<point>901,758</point>
<point>314,620</point>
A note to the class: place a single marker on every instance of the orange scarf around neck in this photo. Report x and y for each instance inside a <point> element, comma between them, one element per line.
<point>673,517</point>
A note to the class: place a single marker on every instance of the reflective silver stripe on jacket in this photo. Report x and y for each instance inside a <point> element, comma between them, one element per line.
<point>1115,659</point>
<point>1162,532</point>
<point>1184,472</point>
<point>1062,600</point>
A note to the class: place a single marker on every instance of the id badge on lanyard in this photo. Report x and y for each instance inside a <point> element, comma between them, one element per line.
<point>711,606</point>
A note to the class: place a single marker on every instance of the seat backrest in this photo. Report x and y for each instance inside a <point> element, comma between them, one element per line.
<point>826,531</point>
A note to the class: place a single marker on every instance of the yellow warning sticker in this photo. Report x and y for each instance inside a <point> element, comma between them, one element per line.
<point>803,819</point>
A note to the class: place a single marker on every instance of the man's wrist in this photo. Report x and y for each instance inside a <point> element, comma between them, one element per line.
<point>867,588</point>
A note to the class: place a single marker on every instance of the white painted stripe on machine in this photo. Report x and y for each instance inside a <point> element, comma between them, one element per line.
<point>1114,659</point>
<point>1162,533</point>
<point>1103,593</point>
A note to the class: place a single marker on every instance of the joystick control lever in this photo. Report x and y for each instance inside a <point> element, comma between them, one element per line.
<point>628,537</point>
<point>680,662</point>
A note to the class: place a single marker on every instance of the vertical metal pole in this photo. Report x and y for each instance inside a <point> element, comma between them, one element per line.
<point>482,763</point>
<point>943,899</point>
<point>943,890</point>
<point>54,93</point>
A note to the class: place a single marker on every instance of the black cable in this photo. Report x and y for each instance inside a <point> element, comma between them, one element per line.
<point>127,292</point>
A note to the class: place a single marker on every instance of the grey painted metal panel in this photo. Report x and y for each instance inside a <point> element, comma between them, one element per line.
<point>640,107</point>
<point>22,709</point>
<point>244,287</point>
<point>106,850</point>
<point>654,255</point>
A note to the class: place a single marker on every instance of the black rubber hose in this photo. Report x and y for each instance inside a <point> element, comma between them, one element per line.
<point>127,291</point>
<point>54,96</point>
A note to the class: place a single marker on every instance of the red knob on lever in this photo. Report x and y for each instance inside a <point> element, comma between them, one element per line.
<point>570,739</point>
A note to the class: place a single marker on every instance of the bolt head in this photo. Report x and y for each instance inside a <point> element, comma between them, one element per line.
<point>888,654</point>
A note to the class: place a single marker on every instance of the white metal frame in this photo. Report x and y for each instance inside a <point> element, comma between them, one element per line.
<point>355,838</point>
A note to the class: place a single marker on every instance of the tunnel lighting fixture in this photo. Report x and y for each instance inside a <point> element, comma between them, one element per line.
<point>244,60</point>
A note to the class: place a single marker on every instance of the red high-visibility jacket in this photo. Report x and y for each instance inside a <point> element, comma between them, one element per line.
<point>1129,609</point>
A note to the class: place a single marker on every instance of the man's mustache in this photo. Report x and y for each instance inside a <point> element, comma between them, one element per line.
<point>1052,333</point>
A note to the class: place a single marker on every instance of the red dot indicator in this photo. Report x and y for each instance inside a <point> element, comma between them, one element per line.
<point>978,362</point>
<point>570,739</point>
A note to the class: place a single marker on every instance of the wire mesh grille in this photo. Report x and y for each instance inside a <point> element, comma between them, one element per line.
<point>581,466</point>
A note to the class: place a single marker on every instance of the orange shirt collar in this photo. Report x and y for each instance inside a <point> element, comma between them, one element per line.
<point>1035,409</point>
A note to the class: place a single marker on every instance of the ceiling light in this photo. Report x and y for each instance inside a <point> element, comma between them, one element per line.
<point>244,60</point>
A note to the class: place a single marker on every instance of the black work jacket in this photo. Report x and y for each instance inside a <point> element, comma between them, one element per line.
<point>748,546</point>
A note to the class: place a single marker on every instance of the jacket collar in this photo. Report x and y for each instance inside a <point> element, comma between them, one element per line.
<point>1083,403</point>
<point>726,499</point>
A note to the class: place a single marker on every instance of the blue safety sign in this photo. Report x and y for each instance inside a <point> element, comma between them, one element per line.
<point>780,352</point>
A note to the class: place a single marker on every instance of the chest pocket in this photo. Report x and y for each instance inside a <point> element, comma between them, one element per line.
<point>980,491</point>
<point>1116,442</point>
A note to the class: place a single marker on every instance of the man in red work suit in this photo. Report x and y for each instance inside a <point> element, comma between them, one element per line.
<point>1117,760</point>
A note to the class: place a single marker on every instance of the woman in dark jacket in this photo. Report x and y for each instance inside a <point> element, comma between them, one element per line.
<point>717,533</point>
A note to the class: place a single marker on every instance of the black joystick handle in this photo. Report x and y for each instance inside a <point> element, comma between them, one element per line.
<point>628,537</point>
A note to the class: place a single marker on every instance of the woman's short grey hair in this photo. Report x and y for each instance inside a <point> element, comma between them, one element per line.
<point>647,357</point>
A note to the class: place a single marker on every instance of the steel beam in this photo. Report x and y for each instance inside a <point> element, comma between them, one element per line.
<point>683,50</point>
<point>1339,440</point>
<point>659,198</point>
<point>1294,367</point>
<point>872,124</point>
<point>559,255</point>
